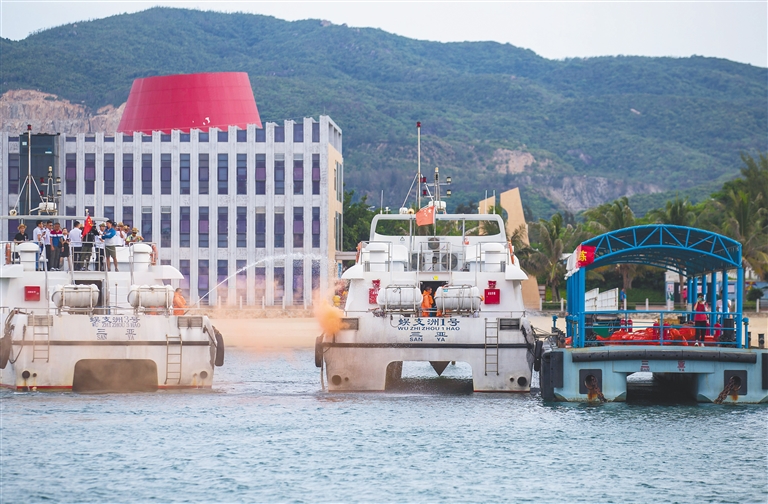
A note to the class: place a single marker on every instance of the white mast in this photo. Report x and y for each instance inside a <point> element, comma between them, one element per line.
<point>29,170</point>
<point>418,165</point>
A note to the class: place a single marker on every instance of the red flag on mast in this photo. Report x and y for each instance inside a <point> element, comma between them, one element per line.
<point>88,225</point>
<point>425,216</point>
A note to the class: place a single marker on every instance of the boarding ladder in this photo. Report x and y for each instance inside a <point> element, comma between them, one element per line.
<point>491,346</point>
<point>173,359</point>
<point>41,337</point>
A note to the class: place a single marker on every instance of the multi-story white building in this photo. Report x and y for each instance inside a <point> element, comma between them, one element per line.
<point>257,210</point>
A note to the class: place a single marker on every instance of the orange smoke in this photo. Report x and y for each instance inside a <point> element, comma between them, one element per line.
<point>327,316</point>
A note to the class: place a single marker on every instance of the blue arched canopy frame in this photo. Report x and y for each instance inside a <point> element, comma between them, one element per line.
<point>697,254</point>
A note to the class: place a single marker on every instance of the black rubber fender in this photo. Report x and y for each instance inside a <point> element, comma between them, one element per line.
<point>5,349</point>
<point>319,351</point>
<point>537,355</point>
<point>219,348</point>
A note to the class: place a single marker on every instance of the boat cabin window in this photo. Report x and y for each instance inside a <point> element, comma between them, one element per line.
<point>442,227</point>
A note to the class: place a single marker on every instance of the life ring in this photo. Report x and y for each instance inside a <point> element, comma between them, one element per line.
<point>7,253</point>
<point>153,255</point>
<point>319,351</point>
<point>219,348</point>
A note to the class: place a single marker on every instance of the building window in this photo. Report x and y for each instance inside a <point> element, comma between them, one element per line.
<point>202,136</point>
<point>241,279</point>
<point>260,275</point>
<point>70,210</point>
<point>298,174</point>
<point>184,282</point>
<point>126,138</point>
<point>127,216</point>
<point>338,177</point>
<point>146,174</point>
<point>109,212</point>
<point>279,228</point>
<point>298,132</point>
<point>221,227</point>
<point>109,174</point>
<point>109,139</point>
<point>184,174</point>
<point>202,174</point>
<point>298,282</point>
<point>298,227</point>
<point>315,173</point>
<point>279,134</point>
<point>222,273</point>
<point>184,137</point>
<point>165,174</point>
<point>127,174</point>
<point>146,223</point>
<point>279,174</point>
<point>222,137</point>
<point>13,173</point>
<point>202,281</point>
<point>261,174</point>
<point>242,135</point>
<point>202,228</point>
<point>184,227</point>
<point>242,226</point>
<point>279,284</point>
<point>242,174</point>
<point>261,228</point>
<point>165,138</point>
<point>146,138</point>
<point>315,227</point>
<point>315,275</point>
<point>90,173</point>
<point>165,226</point>
<point>315,132</point>
<point>338,230</point>
<point>261,135</point>
<point>223,173</point>
<point>70,173</point>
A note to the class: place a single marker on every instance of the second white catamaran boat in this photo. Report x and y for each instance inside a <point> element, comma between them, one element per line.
<point>478,316</point>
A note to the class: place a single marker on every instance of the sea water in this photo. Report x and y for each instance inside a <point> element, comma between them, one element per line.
<point>267,433</point>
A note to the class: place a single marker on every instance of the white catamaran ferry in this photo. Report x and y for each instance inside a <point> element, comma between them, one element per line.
<point>99,330</point>
<point>477,316</point>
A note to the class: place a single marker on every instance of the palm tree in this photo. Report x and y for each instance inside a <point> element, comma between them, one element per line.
<point>553,238</point>
<point>746,221</point>
<point>610,217</point>
<point>677,212</point>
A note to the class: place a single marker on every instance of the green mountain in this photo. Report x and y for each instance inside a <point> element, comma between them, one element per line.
<point>570,133</point>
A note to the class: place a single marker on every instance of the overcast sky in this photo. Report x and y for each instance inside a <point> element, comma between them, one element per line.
<point>736,30</point>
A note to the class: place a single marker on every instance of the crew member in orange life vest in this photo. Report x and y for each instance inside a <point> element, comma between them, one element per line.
<point>426,303</point>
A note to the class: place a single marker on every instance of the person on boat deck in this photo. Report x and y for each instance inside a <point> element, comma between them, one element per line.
<point>55,257</point>
<point>64,249</point>
<point>37,237</point>
<point>700,320</point>
<point>20,237</point>
<point>134,237</point>
<point>76,244</point>
<point>426,303</point>
<point>179,303</point>
<point>48,247</point>
<point>110,244</point>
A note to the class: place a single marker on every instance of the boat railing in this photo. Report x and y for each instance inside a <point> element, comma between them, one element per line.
<point>654,327</point>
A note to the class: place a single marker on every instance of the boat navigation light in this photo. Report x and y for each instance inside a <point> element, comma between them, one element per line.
<point>447,192</point>
<point>447,180</point>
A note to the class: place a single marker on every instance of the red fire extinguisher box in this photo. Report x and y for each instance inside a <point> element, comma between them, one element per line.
<point>372,293</point>
<point>492,296</point>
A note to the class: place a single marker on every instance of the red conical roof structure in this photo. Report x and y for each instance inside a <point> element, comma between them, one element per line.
<point>182,102</point>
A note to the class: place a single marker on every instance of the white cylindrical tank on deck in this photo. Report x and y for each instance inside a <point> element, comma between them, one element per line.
<point>27,252</point>
<point>142,253</point>
<point>75,296</point>
<point>399,297</point>
<point>458,298</point>
<point>150,296</point>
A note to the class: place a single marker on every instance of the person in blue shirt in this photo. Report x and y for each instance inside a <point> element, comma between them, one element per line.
<point>110,247</point>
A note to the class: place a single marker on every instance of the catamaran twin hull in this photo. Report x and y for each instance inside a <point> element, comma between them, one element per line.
<point>108,352</point>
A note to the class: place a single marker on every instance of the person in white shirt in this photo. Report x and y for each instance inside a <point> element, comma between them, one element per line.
<point>76,244</point>
<point>48,247</point>
<point>37,236</point>
<point>99,247</point>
